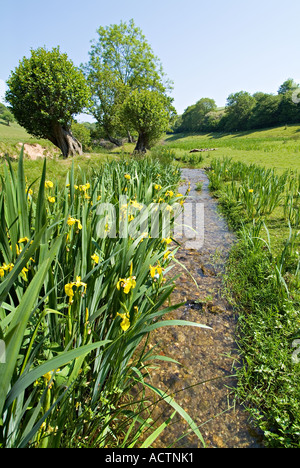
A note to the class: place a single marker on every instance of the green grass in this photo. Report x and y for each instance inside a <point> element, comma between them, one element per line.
<point>277,148</point>
<point>11,136</point>
<point>256,177</point>
<point>14,136</point>
<point>263,281</point>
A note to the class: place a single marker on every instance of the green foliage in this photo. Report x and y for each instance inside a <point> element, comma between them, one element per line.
<point>46,90</point>
<point>121,60</point>
<point>72,332</point>
<point>82,133</point>
<point>263,280</point>
<point>6,114</point>
<point>193,117</point>
<point>244,111</point>
<point>148,113</point>
<point>238,110</point>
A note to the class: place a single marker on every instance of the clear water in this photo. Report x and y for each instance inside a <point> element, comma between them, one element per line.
<point>203,383</point>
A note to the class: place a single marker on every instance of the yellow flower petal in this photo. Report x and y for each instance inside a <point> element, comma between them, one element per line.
<point>95,257</point>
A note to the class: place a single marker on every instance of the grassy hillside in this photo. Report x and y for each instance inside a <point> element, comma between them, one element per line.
<point>277,148</point>
<point>12,137</point>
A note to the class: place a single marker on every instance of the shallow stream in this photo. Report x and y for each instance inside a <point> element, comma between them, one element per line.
<point>203,383</point>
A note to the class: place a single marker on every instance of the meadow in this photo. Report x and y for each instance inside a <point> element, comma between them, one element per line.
<point>277,148</point>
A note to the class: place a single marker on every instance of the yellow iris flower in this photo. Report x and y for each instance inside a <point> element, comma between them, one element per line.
<point>127,284</point>
<point>95,257</point>
<point>125,324</point>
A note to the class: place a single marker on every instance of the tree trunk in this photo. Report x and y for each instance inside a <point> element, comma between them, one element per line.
<point>130,137</point>
<point>65,141</point>
<point>115,141</point>
<point>142,144</point>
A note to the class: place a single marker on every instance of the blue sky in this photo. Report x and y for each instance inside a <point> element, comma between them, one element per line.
<point>209,49</point>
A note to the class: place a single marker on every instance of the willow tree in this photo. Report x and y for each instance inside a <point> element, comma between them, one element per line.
<point>149,114</point>
<point>45,92</point>
<point>121,61</point>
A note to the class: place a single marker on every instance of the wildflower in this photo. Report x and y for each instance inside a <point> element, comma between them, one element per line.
<point>157,187</point>
<point>169,193</point>
<point>23,273</point>
<point>125,324</point>
<point>51,199</point>
<point>79,283</point>
<point>1,272</point>
<point>69,291</point>
<point>48,377</point>
<point>156,271</point>
<point>49,184</point>
<point>251,190</point>
<point>167,253</point>
<point>84,188</point>
<point>8,267</point>
<point>152,271</point>
<point>127,176</point>
<point>126,284</point>
<point>71,221</point>
<point>23,239</point>
<point>167,240</point>
<point>95,257</point>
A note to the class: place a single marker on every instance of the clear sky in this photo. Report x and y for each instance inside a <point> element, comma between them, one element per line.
<point>208,48</point>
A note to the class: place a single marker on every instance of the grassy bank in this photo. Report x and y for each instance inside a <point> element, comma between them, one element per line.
<point>78,301</point>
<point>263,281</point>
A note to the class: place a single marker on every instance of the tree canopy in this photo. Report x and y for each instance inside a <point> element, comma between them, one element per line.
<point>244,111</point>
<point>45,92</point>
<point>148,113</point>
<point>120,62</point>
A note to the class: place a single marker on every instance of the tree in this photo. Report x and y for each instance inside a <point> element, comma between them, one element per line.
<point>148,113</point>
<point>6,114</point>
<point>193,118</point>
<point>288,85</point>
<point>266,111</point>
<point>45,92</point>
<point>121,60</point>
<point>238,111</point>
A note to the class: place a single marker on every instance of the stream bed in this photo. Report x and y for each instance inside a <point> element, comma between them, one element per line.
<point>202,383</point>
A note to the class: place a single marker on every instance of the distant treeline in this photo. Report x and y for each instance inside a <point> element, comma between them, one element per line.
<point>243,111</point>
